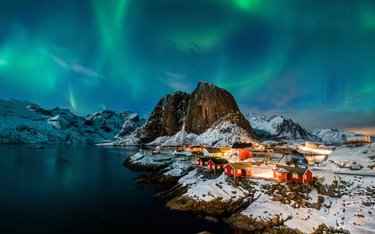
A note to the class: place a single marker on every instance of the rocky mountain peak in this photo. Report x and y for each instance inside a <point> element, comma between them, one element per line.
<point>167,118</point>
<point>277,126</point>
<point>209,104</point>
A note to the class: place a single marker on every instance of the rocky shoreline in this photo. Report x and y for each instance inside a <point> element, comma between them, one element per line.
<point>186,190</point>
<point>216,207</point>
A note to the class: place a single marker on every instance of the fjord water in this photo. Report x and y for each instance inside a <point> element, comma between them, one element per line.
<point>82,189</point>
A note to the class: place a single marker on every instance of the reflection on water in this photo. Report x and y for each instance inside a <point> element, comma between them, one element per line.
<point>82,189</point>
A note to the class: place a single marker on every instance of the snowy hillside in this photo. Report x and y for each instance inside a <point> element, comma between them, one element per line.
<point>25,122</point>
<point>221,134</point>
<point>224,134</point>
<point>331,136</point>
<point>344,156</point>
<point>277,127</point>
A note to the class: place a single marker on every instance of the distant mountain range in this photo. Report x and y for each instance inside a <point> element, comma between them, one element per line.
<point>25,122</point>
<point>332,136</point>
<point>277,127</point>
<point>209,115</point>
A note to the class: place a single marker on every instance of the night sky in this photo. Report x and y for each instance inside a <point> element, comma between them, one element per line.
<point>313,61</point>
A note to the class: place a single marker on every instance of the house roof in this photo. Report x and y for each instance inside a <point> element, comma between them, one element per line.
<point>213,150</point>
<point>240,165</point>
<point>240,145</point>
<point>282,170</point>
<point>298,170</point>
<point>219,160</point>
<point>205,159</point>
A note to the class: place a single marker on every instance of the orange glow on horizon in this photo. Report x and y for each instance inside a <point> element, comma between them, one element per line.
<point>366,131</point>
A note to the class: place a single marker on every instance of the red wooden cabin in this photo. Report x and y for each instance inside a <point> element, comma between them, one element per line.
<point>216,164</point>
<point>239,169</point>
<point>280,174</point>
<point>295,174</point>
<point>202,161</point>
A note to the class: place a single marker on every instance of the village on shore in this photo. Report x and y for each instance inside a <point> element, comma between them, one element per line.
<point>272,185</point>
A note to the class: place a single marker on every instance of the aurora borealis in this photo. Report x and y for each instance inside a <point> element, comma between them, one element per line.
<point>313,61</point>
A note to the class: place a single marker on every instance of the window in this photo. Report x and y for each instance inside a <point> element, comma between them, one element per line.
<point>305,177</point>
<point>226,170</point>
<point>231,171</point>
<point>218,166</point>
<point>295,176</point>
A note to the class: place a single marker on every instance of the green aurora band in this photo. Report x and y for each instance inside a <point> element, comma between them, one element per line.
<point>289,57</point>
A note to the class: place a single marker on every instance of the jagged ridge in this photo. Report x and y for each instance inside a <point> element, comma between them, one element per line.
<point>25,122</point>
<point>278,127</point>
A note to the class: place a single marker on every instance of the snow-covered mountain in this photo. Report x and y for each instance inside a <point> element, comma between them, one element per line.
<point>277,127</point>
<point>223,134</point>
<point>25,122</point>
<point>332,136</point>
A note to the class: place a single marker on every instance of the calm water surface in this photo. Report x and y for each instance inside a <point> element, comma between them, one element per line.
<point>82,189</point>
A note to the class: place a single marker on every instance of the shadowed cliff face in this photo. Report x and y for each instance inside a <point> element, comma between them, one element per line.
<point>167,117</point>
<point>209,104</point>
<point>206,107</point>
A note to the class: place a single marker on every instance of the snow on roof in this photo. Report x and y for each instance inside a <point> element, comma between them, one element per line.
<point>219,160</point>
<point>240,165</point>
<point>298,170</point>
<point>205,159</point>
<point>283,170</point>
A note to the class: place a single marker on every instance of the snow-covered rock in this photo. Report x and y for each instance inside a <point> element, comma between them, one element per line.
<point>224,134</point>
<point>347,212</point>
<point>277,127</point>
<point>180,138</point>
<point>341,158</point>
<point>212,196</point>
<point>331,136</point>
<point>25,122</point>
<point>221,134</point>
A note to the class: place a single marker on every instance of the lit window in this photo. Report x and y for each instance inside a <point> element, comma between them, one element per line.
<point>218,167</point>
<point>239,171</point>
<point>295,176</point>
<point>305,177</point>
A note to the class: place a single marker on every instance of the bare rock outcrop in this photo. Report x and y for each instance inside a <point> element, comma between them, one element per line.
<point>166,118</point>
<point>214,207</point>
<point>252,224</point>
<point>209,104</point>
